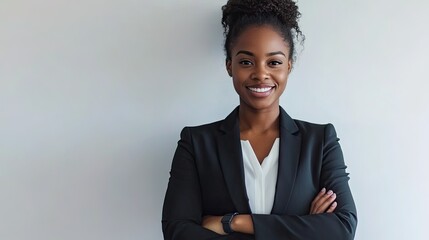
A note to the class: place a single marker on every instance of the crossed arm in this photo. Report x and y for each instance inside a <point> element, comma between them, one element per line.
<point>243,223</point>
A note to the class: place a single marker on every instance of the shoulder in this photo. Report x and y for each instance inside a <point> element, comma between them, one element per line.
<point>310,126</point>
<point>201,136</point>
<point>326,130</point>
<point>204,128</point>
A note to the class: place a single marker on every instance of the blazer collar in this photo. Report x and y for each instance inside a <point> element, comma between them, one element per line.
<point>231,161</point>
<point>290,148</point>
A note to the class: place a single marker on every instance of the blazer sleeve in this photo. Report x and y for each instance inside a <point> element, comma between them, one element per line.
<point>182,210</point>
<point>341,224</point>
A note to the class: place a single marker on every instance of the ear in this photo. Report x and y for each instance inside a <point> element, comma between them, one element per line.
<point>289,66</point>
<point>228,67</point>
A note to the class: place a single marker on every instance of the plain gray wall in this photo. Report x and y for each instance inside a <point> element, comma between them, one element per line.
<point>93,95</point>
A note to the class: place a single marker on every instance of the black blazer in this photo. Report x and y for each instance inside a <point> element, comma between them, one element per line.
<point>207,178</point>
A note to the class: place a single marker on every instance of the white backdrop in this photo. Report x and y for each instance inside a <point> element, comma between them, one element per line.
<point>93,95</point>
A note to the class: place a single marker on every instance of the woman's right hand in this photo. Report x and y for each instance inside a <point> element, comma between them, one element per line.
<point>324,202</point>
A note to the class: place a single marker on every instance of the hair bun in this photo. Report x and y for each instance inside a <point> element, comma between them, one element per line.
<point>285,10</point>
<point>281,14</point>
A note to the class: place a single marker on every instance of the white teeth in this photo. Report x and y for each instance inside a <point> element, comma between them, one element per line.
<point>260,90</point>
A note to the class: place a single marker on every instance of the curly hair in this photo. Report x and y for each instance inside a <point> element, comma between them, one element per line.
<point>282,15</point>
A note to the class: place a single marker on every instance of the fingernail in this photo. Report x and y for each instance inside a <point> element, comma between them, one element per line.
<point>323,190</point>
<point>333,195</point>
<point>330,192</point>
<point>334,204</point>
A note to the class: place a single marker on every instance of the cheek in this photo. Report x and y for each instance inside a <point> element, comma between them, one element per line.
<point>239,77</point>
<point>237,86</point>
<point>237,83</point>
<point>282,78</point>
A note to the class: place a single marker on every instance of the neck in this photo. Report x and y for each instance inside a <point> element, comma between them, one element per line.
<point>258,121</point>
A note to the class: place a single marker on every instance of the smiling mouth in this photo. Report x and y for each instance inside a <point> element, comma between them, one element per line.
<point>260,90</point>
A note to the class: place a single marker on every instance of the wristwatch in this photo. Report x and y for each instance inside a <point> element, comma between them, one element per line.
<point>226,222</point>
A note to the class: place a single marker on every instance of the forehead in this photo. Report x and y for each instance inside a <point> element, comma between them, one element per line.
<point>260,39</point>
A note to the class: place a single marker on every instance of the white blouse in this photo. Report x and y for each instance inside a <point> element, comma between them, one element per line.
<point>260,179</point>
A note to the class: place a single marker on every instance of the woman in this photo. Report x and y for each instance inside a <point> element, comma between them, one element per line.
<point>258,174</point>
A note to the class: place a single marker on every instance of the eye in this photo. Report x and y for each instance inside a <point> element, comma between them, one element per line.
<point>275,63</point>
<point>245,62</point>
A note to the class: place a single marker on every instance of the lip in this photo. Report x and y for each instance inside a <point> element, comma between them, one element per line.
<point>260,90</point>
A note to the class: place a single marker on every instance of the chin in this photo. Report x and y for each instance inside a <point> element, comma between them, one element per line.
<point>261,106</point>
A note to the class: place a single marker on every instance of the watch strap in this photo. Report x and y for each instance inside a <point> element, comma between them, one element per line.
<point>226,222</point>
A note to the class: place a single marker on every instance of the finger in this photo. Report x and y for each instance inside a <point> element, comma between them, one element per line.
<point>322,204</point>
<point>319,196</point>
<point>325,202</point>
<point>320,200</point>
<point>332,207</point>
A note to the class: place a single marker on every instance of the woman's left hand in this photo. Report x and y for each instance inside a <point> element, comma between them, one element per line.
<point>214,224</point>
<point>324,202</point>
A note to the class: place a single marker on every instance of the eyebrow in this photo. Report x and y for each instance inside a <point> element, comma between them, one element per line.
<point>268,54</point>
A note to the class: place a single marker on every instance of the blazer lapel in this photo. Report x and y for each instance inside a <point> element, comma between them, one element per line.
<point>231,161</point>
<point>290,146</point>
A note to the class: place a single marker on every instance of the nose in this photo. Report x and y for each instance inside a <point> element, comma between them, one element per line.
<point>260,72</point>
